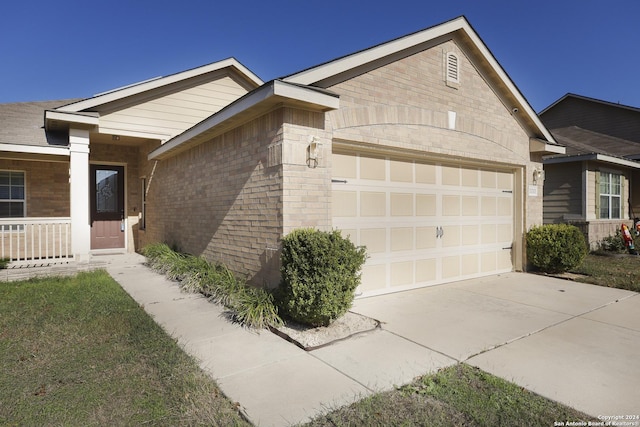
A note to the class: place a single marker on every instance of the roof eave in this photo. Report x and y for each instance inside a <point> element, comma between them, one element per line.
<point>543,147</point>
<point>341,65</point>
<point>257,102</point>
<point>593,157</point>
<point>57,120</point>
<point>152,84</point>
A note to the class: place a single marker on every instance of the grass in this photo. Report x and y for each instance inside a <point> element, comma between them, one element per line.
<point>80,351</point>
<point>612,270</point>
<point>457,396</point>
<point>250,306</point>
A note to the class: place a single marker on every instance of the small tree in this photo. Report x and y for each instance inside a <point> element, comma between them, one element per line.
<point>556,248</point>
<point>320,273</point>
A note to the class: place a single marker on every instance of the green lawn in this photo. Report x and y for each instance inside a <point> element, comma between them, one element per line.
<point>612,270</point>
<point>79,351</point>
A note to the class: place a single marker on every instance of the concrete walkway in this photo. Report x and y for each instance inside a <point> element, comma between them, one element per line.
<point>574,343</point>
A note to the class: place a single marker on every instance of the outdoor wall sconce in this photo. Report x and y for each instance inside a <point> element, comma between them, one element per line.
<point>313,152</point>
<point>538,175</point>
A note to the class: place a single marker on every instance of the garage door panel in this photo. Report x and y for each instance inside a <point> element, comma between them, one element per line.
<point>373,204</point>
<point>426,204</point>
<point>450,175</point>
<point>505,206</point>
<point>344,166</point>
<point>451,267</point>
<point>504,260</point>
<point>375,239</point>
<point>488,206</point>
<point>373,168</point>
<point>425,173</point>
<point>489,262</point>
<point>402,204</point>
<point>402,239</point>
<point>469,205</point>
<point>451,205</point>
<point>374,278</point>
<point>402,273</point>
<point>426,237</point>
<point>424,223</point>
<point>470,264</point>
<point>399,172</point>
<point>470,177</point>
<point>470,235</point>
<point>345,203</point>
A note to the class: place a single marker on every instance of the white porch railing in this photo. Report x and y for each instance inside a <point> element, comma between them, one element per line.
<point>31,239</point>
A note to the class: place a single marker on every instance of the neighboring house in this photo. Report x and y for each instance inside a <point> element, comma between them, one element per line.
<point>421,148</point>
<point>596,184</point>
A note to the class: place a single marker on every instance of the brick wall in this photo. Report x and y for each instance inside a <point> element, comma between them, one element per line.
<point>223,199</point>
<point>47,186</point>
<point>405,105</point>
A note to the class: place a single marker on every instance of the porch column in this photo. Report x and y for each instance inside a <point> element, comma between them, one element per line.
<point>79,180</point>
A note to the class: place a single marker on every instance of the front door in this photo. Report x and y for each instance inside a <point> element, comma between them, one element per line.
<point>107,206</point>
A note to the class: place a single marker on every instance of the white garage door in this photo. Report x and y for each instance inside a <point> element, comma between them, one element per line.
<point>423,223</point>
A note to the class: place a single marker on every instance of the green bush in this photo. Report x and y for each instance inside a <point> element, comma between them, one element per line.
<point>556,248</point>
<point>612,243</point>
<point>320,273</point>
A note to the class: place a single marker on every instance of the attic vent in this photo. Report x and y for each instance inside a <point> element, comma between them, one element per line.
<point>452,72</point>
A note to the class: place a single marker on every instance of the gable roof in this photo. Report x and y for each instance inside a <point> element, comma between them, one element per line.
<point>90,104</point>
<point>608,118</point>
<point>582,144</point>
<point>254,103</point>
<point>459,28</point>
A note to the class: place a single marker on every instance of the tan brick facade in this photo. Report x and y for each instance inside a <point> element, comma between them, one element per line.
<point>47,186</point>
<point>232,198</point>
<point>406,106</point>
<point>223,199</point>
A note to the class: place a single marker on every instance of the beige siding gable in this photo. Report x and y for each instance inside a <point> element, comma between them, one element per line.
<point>169,115</point>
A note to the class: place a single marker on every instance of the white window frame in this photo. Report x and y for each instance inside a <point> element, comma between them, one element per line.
<point>608,196</point>
<point>12,200</point>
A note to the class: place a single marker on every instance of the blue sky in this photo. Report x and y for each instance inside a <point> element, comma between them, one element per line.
<point>75,49</point>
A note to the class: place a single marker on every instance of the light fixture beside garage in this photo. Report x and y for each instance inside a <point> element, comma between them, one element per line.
<point>538,175</point>
<point>313,152</point>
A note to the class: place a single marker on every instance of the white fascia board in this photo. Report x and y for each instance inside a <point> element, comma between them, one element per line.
<point>304,94</point>
<point>595,157</point>
<point>497,68</point>
<point>81,119</point>
<point>148,85</point>
<point>273,89</point>
<point>537,145</point>
<point>35,149</point>
<point>322,72</point>
<point>349,62</point>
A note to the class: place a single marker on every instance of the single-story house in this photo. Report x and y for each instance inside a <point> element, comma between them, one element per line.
<point>422,148</point>
<point>596,183</point>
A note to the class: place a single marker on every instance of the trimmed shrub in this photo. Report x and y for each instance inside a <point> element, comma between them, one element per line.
<point>320,273</point>
<point>556,248</point>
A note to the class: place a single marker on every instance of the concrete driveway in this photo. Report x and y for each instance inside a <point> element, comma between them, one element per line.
<point>574,343</point>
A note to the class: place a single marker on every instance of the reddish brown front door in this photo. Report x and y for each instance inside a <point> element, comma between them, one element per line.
<point>107,206</point>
